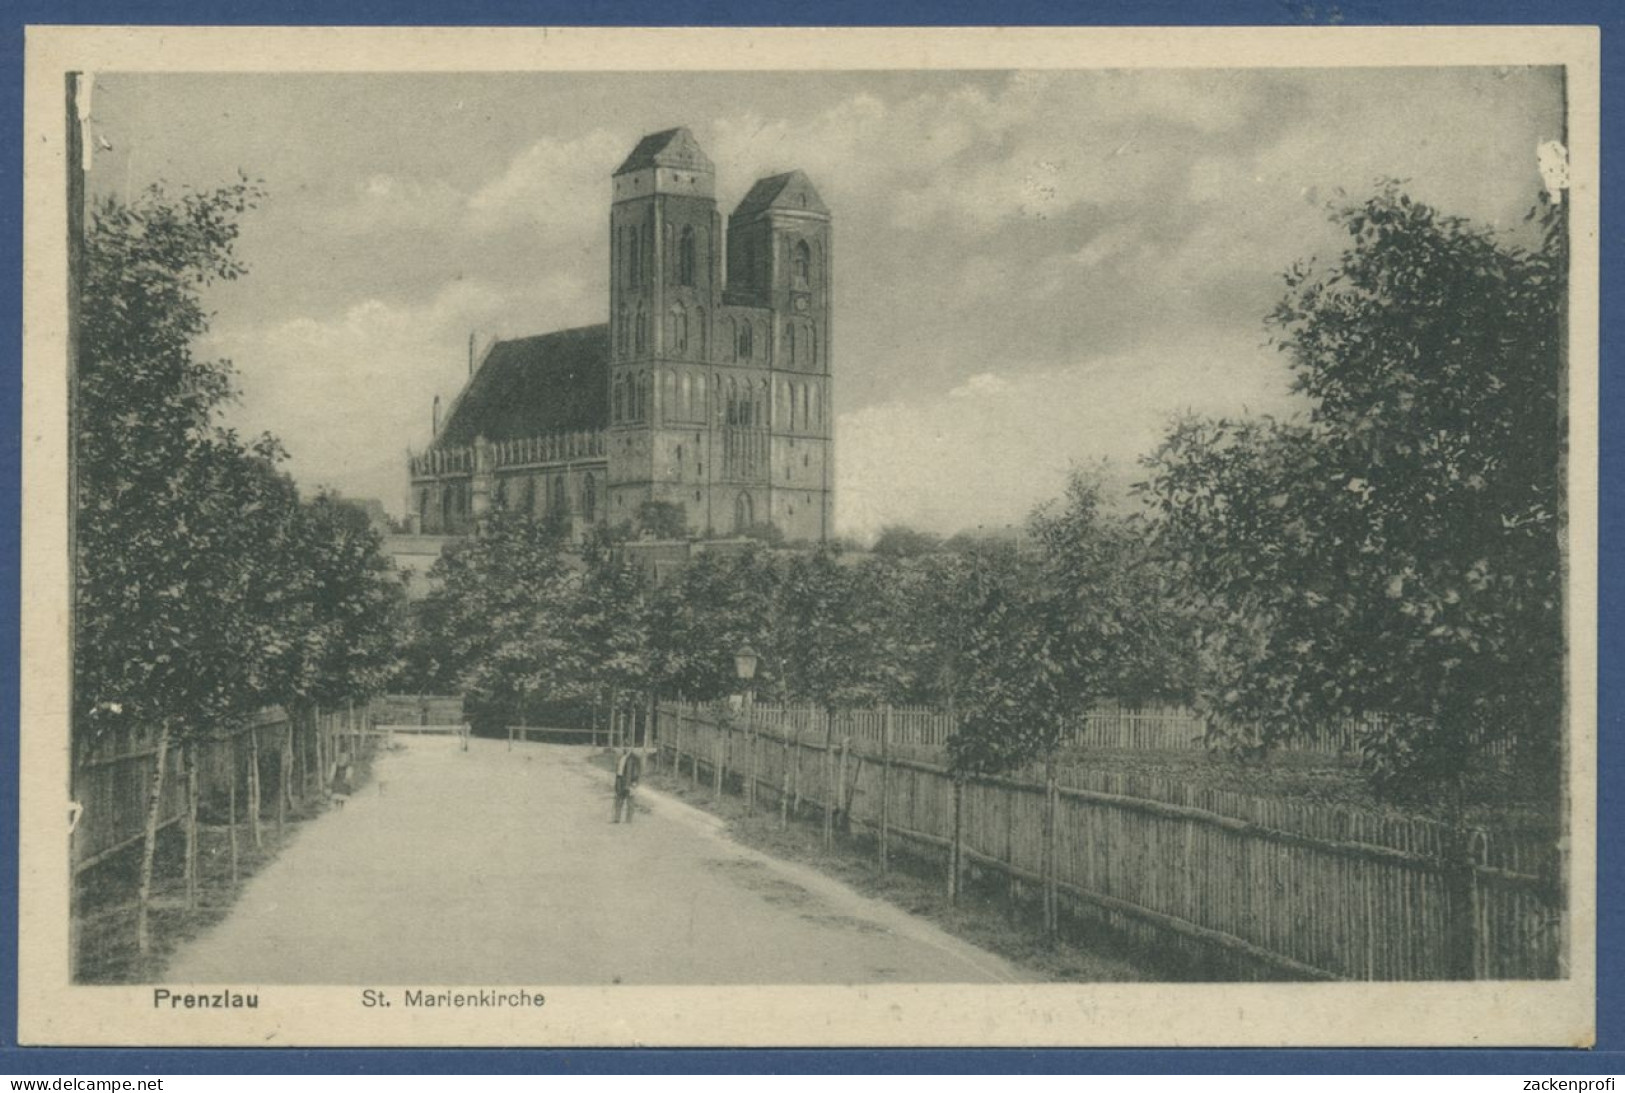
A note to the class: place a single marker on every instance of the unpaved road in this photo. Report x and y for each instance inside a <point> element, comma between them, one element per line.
<point>493,867</point>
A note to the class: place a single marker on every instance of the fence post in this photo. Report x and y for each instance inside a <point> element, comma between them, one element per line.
<point>954,846</point>
<point>885,787</point>
<point>1461,882</point>
<point>1050,871</point>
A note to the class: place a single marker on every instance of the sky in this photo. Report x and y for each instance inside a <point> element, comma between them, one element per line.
<point>1034,271</point>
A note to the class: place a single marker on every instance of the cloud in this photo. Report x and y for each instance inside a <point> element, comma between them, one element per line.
<point>990,449</point>
<point>560,186</point>
<point>348,394</point>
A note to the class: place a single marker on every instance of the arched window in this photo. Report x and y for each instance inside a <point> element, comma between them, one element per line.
<point>744,512</point>
<point>764,392</point>
<point>530,496</point>
<point>699,397</point>
<point>686,399</point>
<point>812,345</point>
<point>790,342</point>
<point>702,335</point>
<point>423,511</point>
<point>679,329</point>
<point>728,331</point>
<point>448,508</point>
<point>801,263</point>
<point>634,260</point>
<point>668,405</point>
<point>617,400</point>
<point>745,340</point>
<point>589,497</point>
<point>641,340</point>
<point>685,257</point>
<point>555,496</point>
<point>815,395</point>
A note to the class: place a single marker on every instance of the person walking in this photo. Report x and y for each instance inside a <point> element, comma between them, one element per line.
<point>628,772</point>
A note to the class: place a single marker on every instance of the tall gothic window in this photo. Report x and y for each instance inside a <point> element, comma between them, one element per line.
<point>745,340</point>
<point>668,395</point>
<point>744,512</point>
<point>589,497</point>
<point>634,260</point>
<point>679,329</point>
<point>801,263</point>
<point>642,336</point>
<point>685,257</point>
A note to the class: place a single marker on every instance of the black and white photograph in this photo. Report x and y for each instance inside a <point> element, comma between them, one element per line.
<point>714,537</point>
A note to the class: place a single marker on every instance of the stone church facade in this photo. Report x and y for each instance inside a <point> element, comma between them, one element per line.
<point>709,388</point>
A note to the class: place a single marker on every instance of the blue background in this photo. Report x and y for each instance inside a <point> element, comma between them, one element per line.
<point>1608,1057</point>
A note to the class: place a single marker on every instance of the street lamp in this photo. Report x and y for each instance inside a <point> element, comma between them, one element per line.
<point>745,663</point>
<point>745,668</point>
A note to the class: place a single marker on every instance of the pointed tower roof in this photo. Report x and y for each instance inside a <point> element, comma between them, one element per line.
<point>793,191</point>
<point>669,148</point>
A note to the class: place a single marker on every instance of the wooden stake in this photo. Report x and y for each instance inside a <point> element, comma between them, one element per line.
<point>149,846</point>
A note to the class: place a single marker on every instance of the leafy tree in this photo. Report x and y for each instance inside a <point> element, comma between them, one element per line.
<point>610,625</point>
<point>662,520</point>
<point>1121,638</point>
<point>898,541</point>
<point>1400,551</point>
<point>701,617</point>
<point>498,626</point>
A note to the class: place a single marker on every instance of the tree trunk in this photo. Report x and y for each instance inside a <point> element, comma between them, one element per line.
<point>784,787</point>
<point>284,789</point>
<point>1050,869</point>
<point>254,787</point>
<point>828,787</point>
<point>231,803</point>
<point>149,845</point>
<point>189,758</point>
<point>885,789</point>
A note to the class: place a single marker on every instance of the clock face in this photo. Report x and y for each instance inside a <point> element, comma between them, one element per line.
<point>801,303</point>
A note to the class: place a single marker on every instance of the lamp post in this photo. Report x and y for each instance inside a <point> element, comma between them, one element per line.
<point>745,668</point>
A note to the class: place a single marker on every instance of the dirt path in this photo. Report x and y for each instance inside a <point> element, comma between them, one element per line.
<point>492,867</point>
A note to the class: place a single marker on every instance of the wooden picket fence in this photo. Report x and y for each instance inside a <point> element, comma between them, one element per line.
<point>1247,886</point>
<point>111,777</point>
<point>1153,728</point>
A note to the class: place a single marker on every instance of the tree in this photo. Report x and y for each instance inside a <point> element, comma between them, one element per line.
<point>898,541</point>
<point>170,613</point>
<point>701,617</point>
<point>662,520</point>
<point>1400,551</point>
<point>499,623</point>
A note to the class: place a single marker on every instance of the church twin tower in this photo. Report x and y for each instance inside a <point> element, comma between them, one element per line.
<point>708,389</point>
<point>720,397</point>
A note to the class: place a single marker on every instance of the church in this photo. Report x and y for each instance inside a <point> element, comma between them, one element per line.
<point>709,388</point>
